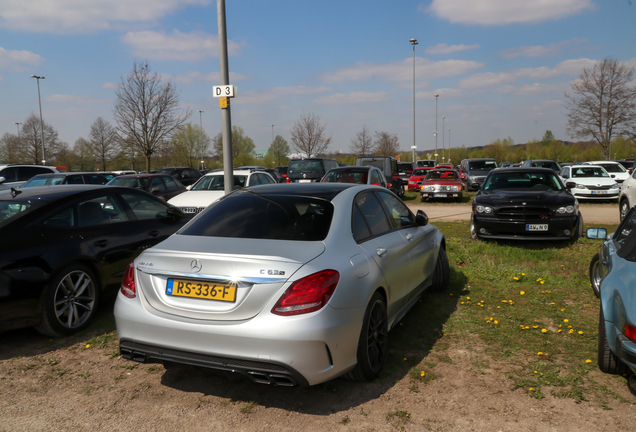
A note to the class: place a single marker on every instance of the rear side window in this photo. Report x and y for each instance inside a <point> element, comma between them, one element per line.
<point>25,173</point>
<point>274,217</point>
<point>372,214</point>
<point>170,183</point>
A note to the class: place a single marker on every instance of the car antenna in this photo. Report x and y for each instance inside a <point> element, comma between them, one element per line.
<point>15,192</point>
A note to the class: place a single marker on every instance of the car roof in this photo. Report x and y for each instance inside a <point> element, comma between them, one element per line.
<point>236,171</point>
<point>54,192</point>
<point>142,175</point>
<point>318,189</point>
<point>523,169</point>
<point>66,174</point>
<point>354,168</point>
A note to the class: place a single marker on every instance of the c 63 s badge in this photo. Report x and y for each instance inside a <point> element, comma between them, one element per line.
<point>273,272</point>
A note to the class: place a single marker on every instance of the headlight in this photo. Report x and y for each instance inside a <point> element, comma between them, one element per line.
<point>484,209</point>
<point>580,186</point>
<point>411,182</point>
<point>565,210</point>
<point>427,188</point>
<point>615,186</point>
<point>472,179</point>
<point>454,188</point>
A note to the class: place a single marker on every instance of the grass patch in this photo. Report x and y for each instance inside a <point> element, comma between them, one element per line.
<point>248,407</point>
<point>102,341</point>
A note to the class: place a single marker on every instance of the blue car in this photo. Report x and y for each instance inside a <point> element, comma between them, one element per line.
<point>613,277</point>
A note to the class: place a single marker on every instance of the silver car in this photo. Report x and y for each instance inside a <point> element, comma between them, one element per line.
<point>290,284</point>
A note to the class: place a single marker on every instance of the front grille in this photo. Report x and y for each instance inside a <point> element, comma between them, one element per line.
<point>525,213</point>
<point>194,210</point>
<point>599,187</point>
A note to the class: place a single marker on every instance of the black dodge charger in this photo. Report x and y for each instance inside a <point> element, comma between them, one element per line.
<point>525,204</point>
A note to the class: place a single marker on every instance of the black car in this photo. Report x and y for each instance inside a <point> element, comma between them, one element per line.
<point>186,176</point>
<point>309,169</point>
<point>525,204</point>
<point>66,179</point>
<point>63,246</point>
<point>542,163</point>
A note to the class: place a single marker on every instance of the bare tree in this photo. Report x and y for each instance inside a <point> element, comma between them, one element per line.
<point>147,110</point>
<point>602,103</point>
<point>31,140</point>
<point>308,136</point>
<point>386,144</point>
<point>9,146</point>
<point>362,144</point>
<point>104,142</point>
<point>84,156</point>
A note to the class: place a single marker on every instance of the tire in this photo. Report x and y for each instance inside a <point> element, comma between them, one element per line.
<point>595,275</point>
<point>372,345</point>
<point>441,273</point>
<point>608,362</point>
<point>623,208</point>
<point>473,230</point>
<point>422,199</point>
<point>401,191</point>
<point>69,302</point>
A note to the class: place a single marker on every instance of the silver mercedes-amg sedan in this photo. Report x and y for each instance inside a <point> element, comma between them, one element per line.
<point>286,284</point>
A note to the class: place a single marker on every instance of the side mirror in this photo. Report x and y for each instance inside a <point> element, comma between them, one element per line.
<point>2,179</point>
<point>596,233</point>
<point>155,189</point>
<point>570,185</point>
<point>171,215</point>
<point>420,218</point>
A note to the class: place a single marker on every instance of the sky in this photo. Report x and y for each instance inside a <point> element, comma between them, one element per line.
<point>500,67</point>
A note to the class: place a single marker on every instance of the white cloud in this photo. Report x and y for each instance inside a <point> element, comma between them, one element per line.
<point>193,46</point>
<point>353,98</point>
<point>268,96</point>
<point>213,77</point>
<point>75,100</point>
<point>110,86</point>
<point>18,60</point>
<point>541,51</point>
<point>503,12</point>
<point>83,16</point>
<point>533,89</point>
<point>401,70</point>
<point>494,79</point>
<point>447,49</point>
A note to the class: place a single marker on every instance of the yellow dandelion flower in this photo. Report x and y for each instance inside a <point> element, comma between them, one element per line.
<point>498,307</point>
<point>523,274</point>
<point>544,330</point>
<point>535,326</point>
<point>404,359</point>
<point>539,353</point>
<point>542,292</point>
<point>566,320</point>
<point>580,332</point>
<point>588,361</point>
<point>496,322</point>
<point>571,331</point>
<point>562,310</point>
<point>542,282</point>
<point>560,330</point>
<point>531,389</point>
<point>467,298</point>
<point>462,302</point>
<point>515,278</point>
<point>504,301</point>
<point>536,372</point>
<point>538,280</point>
<point>422,373</point>
<point>88,345</point>
<point>527,327</point>
<point>522,292</point>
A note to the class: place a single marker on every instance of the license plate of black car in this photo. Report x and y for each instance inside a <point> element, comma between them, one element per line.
<point>536,227</point>
<point>201,289</point>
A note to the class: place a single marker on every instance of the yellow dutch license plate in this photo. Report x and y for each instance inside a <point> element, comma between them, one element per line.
<point>201,289</point>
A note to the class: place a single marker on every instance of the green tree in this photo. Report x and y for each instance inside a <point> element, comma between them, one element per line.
<point>548,137</point>
<point>279,149</point>
<point>190,145</point>
<point>9,146</point>
<point>242,146</point>
<point>84,159</point>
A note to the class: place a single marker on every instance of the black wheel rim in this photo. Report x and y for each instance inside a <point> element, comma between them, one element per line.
<point>623,209</point>
<point>74,299</point>
<point>596,277</point>
<point>377,336</point>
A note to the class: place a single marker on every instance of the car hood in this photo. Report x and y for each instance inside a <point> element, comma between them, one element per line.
<point>441,182</point>
<point>507,198</point>
<point>259,269</point>
<point>592,181</point>
<point>196,198</point>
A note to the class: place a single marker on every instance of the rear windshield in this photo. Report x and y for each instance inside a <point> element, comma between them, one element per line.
<point>44,181</point>
<point>547,164</point>
<point>591,171</point>
<point>306,166</point>
<point>131,182</point>
<point>612,168</point>
<point>347,176</point>
<point>217,182</point>
<point>483,165</point>
<point>442,175</point>
<point>273,217</point>
<point>425,163</point>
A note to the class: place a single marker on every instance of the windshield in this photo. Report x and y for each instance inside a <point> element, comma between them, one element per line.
<point>442,175</point>
<point>217,183</point>
<point>547,164</point>
<point>425,163</point>
<point>136,183</point>
<point>591,171</point>
<point>274,217</point>
<point>523,181</point>
<point>420,172</point>
<point>305,166</point>
<point>11,210</point>
<point>43,181</point>
<point>483,165</point>
<point>347,176</point>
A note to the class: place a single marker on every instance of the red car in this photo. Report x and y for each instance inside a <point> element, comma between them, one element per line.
<point>415,181</point>
<point>442,183</point>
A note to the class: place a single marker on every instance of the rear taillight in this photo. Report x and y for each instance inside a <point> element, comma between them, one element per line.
<point>128,284</point>
<point>630,331</point>
<point>287,180</point>
<point>308,294</point>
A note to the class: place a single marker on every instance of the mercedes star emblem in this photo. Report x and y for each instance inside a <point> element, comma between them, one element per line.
<point>196,265</point>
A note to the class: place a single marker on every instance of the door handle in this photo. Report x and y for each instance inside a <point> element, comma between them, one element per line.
<point>380,251</point>
<point>101,243</point>
<point>154,233</point>
<point>409,237</point>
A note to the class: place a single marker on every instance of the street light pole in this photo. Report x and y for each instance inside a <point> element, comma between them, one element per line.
<point>449,147</point>
<point>201,127</point>
<point>272,133</point>
<point>436,96</point>
<point>38,78</point>
<point>413,42</point>
<point>443,138</point>
<point>18,125</point>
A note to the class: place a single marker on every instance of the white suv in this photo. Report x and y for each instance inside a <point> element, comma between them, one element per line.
<point>15,175</point>
<point>211,187</point>
<point>628,195</point>
<point>614,169</point>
